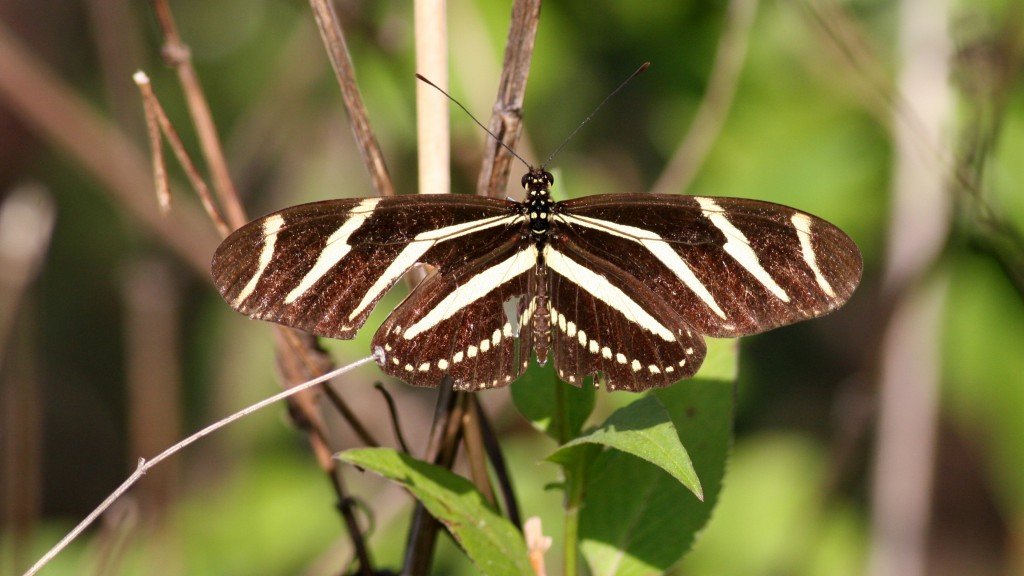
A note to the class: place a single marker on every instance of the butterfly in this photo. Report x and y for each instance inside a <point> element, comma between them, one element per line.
<point>621,286</point>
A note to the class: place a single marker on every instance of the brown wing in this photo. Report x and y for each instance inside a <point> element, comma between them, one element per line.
<point>606,321</point>
<point>321,267</point>
<point>468,323</point>
<point>729,266</point>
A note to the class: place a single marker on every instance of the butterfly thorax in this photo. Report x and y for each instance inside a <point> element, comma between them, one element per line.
<point>538,203</point>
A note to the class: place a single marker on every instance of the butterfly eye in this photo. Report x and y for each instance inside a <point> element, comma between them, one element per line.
<point>526,178</point>
<point>549,178</point>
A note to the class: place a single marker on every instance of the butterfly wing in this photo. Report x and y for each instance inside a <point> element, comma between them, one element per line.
<point>322,267</point>
<point>469,322</point>
<point>608,321</point>
<point>731,267</point>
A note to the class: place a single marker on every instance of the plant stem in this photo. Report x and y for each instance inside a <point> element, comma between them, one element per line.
<point>573,500</point>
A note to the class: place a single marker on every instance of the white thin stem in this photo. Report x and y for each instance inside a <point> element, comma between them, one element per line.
<point>432,109</point>
<point>145,465</point>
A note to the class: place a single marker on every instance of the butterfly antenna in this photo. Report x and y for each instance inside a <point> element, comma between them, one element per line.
<point>470,114</point>
<point>639,70</point>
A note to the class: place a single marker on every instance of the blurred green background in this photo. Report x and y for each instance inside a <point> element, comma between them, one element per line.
<point>117,345</point>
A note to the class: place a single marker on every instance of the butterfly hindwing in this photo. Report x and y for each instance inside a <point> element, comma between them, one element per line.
<point>321,267</point>
<point>465,322</point>
<point>730,266</point>
<point>604,320</point>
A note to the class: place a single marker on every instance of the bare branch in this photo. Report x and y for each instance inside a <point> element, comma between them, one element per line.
<point>177,54</point>
<point>507,116</point>
<point>337,49</point>
<point>155,113</point>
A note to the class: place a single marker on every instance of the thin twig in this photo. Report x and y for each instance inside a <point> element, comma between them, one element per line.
<point>493,448</point>
<point>145,465</point>
<point>177,54</point>
<point>393,414</point>
<point>156,146</point>
<point>475,453</point>
<point>337,49</point>
<point>714,108</point>
<point>155,111</point>
<point>507,116</point>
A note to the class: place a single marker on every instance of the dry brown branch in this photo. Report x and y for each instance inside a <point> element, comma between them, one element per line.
<point>299,357</point>
<point>156,146</point>
<point>337,49</point>
<point>155,113</point>
<point>176,53</point>
<point>714,108</point>
<point>507,116</point>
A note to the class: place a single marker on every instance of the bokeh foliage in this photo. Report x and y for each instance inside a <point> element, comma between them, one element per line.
<point>800,132</point>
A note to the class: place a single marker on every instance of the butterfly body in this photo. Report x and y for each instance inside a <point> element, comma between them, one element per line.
<point>623,286</point>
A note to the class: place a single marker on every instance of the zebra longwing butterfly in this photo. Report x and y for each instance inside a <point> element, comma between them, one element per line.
<point>624,286</point>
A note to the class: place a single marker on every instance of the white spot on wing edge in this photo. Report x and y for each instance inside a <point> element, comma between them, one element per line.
<point>738,247</point>
<point>271,226</point>
<point>802,223</point>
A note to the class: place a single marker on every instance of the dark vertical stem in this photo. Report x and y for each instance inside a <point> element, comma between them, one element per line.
<point>442,447</point>
<point>507,117</point>
<point>472,436</point>
<point>497,459</point>
<point>337,49</point>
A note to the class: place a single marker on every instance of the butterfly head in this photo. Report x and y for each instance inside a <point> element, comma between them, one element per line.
<point>537,179</point>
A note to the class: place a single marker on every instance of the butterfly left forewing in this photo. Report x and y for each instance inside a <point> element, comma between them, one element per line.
<point>321,267</point>
<point>467,322</point>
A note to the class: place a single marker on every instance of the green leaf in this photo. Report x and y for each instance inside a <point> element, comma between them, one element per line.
<point>552,406</point>
<point>636,517</point>
<point>645,430</point>
<point>490,541</point>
